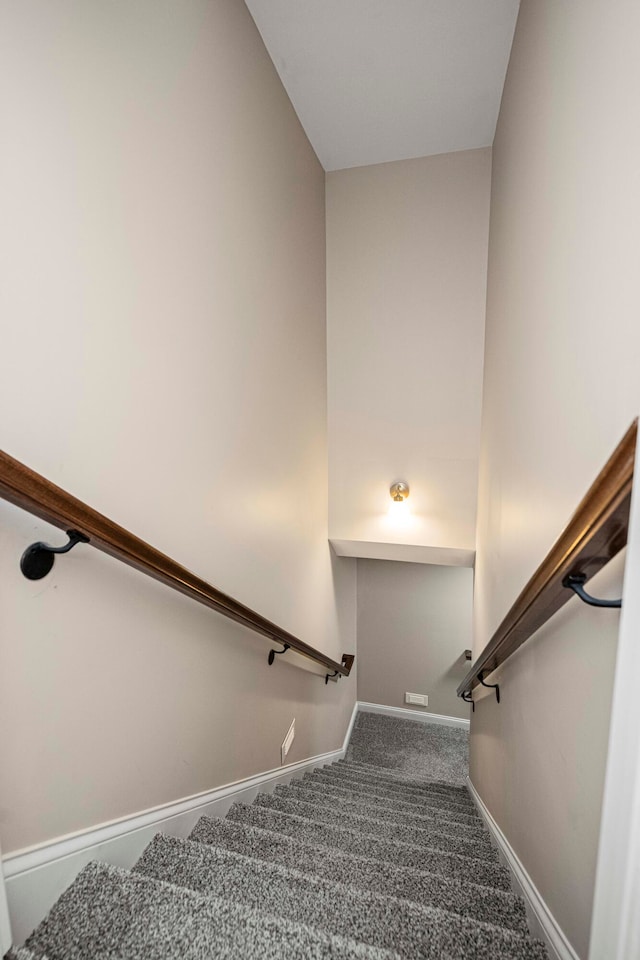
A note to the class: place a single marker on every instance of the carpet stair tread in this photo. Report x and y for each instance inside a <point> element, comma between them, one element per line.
<point>378,808</point>
<point>484,872</point>
<point>436,837</point>
<point>109,914</point>
<point>413,931</point>
<point>498,907</point>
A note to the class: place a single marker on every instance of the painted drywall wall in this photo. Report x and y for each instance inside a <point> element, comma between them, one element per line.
<point>163,358</point>
<point>414,624</point>
<point>406,282</point>
<point>561,387</point>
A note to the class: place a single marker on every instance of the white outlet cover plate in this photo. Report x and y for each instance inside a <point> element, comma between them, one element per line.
<point>417,699</point>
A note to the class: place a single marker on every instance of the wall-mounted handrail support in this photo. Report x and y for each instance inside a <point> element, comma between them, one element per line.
<point>38,559</point>
<point>347,662</point>
<point>576,582</point>
<point>277,653</point>
<point>490,686</point>
<point>31,492</point>
<point>468,698</point>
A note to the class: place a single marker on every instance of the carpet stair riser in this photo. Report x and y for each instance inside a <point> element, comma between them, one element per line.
<point>414,932</point>
<point>402,854</point>
<point>436,838</point>
<point>498,907</point>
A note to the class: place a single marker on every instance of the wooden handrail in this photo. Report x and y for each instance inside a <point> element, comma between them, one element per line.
<point>27,489</point>
<point>596,532</point>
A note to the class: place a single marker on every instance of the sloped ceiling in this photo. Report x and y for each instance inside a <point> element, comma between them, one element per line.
<point>374,80</point>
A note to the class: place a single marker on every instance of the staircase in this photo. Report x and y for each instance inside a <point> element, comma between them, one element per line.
<point>352,861</point>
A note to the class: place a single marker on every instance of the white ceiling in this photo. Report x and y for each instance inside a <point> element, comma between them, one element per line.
<point>380,80</point>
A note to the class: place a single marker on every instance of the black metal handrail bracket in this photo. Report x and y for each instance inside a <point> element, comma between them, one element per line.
<point>490,686</point>
<point>576,582</point>
<point>38,559</point>
<point>276,653</point>
<point>468,698</point>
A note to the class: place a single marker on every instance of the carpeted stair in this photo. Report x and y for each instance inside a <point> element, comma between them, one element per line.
<point>351,861</point>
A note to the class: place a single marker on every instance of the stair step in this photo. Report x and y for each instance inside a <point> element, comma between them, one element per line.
<point>487,873</point>
<point>414,804</point>
<point>400,776</point>
<point>423,792</point>
<point>435,837</point>
<point>412,788</point>
<point>499,907</point>
<point>109,913</point>
<point>381,810</point>
<point>483,903</point>
<point>391,924</point>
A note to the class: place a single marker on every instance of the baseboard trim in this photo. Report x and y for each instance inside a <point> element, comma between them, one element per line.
<point>548,928</point>
<point>404,714</point>
<point>347,736</point>
<point>35,877</point>
<point>33,857</point>
<point>5,924</point>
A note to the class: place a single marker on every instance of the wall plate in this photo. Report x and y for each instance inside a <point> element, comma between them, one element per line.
<point>288,740</point>
<point>417,699</point>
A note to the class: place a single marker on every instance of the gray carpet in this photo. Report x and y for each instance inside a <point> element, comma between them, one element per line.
<point>357,860</point>
<point>23,954</point>
<point>426,751</point>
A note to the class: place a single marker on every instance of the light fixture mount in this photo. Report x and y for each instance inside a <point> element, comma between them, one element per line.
<point>399,491</point>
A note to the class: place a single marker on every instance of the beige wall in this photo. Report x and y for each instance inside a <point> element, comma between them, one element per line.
<point>406,284</point>
<point>414,623</point>
<point>561,387</point>
<point>163,358</point>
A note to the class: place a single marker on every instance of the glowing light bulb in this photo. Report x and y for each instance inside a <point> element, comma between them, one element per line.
<point>399,512</point>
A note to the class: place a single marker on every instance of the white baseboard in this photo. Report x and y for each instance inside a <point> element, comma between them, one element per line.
<point>404,714</point>
<point>347,736</point>
<point>5,923</point>
<point>545,926</point>
<point>36,877</point>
